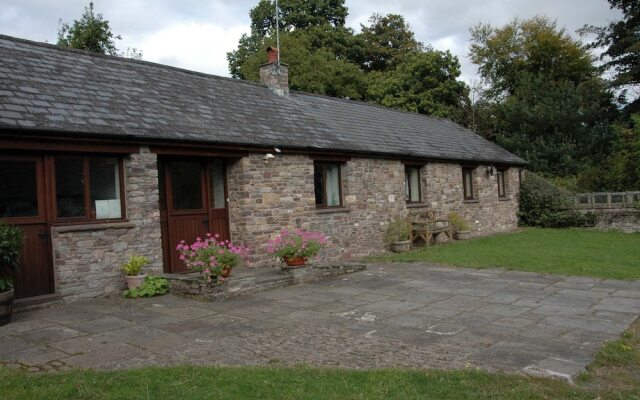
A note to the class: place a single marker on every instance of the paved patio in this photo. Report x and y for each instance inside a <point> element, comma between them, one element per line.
<point>402,315</point>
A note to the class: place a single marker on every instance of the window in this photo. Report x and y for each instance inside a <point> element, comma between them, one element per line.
<point>412,184</point>
<point>502,189</point>
<point>18,189</point>
<point>467,183</point>
<point>88,188</point>
<point>327,182</point>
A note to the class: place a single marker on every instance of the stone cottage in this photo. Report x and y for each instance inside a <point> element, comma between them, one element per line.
<point>103,157</point>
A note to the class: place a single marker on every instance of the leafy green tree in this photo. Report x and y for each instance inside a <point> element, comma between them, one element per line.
<point>545,99</point>
<point>296,14</point>
<point>387,40</point>
<point>560,128</point>
<point>535,46</point>
<point>621,41</point>
<point>425,82</point>
<point>316,70</point>
<point>92,32</point>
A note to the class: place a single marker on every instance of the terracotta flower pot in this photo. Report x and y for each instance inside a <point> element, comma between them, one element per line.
<point>135,281</point>
<point>226,271</point>
<point>6,307</point>
<point>295,261</point>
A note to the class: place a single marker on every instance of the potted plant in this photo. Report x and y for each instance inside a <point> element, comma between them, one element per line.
<point>132,271</point>
<point>213,257</point>
<point>295,247</point>
<point>461,228</point>
<point>10,246</point>
<point>398,234</point>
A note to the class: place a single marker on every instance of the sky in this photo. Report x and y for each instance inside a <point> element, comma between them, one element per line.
<point>197,34</point>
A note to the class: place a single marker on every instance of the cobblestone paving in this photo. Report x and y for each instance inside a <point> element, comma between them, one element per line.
<point>398,315</point>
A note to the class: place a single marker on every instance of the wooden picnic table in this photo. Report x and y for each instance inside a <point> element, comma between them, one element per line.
<point>425,225</point>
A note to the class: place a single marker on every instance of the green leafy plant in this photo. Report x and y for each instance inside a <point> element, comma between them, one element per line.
<point>636,204</point>
<point>297,243</point>
<point>458,223</point>
<point>546,205</point>
<point>152,286</point>
<point>10,246</point>
<point>134,265</point>
<point>398,230</point>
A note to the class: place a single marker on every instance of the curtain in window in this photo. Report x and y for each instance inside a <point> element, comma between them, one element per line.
<point>333,185</point>
<point>414,179</point>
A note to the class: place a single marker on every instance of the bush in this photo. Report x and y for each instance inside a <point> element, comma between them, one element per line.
<point>458,223</point>
<point>152,286</point>
<point>544,204</point>
<point>398,230</point>
<point>10,246</point>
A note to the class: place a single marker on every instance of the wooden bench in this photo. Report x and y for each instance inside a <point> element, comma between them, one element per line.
<point>426,226</point>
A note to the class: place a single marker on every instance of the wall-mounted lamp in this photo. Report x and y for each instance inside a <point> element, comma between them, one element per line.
<point>491,170</point>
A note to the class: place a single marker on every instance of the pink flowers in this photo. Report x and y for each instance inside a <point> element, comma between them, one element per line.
<point>211,255</point>
<point>299,243</point>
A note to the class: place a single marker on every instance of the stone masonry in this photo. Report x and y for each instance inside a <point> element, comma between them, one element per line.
<point>87,258</point>
<point>267,196</point>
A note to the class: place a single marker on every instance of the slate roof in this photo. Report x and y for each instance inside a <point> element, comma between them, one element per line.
<point>57,91</point>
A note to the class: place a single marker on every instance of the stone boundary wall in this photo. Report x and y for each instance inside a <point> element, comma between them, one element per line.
<point>87,258</point>
<point>622,220</point>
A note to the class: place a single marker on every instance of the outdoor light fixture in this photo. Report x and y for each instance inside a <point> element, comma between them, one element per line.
<point>490,170</point>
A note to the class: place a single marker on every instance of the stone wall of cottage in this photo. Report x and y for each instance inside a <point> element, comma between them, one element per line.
<point>87,258</point>
<point>267,196</point>
<point>487,213</point>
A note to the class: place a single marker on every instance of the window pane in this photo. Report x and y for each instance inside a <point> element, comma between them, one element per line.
<point>468,183</point>
<point>415,184</point>
<point>406,184</point>
<point>186,185</point>
<point>70,187</point>
<point>318,182</point>
<point>18,194</point>
<point>217,184</point>
<point>105,187</point>
<point>333,185</point>
<point>501,187</point>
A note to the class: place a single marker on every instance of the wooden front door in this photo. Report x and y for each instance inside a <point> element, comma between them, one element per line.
<point>192,203</point>
<point>22,203</point>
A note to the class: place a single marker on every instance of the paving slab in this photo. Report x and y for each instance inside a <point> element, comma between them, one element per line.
<point>414,315</point>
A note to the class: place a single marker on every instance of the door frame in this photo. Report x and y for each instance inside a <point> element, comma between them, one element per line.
<point>44,217</point>
<point>165,203</point>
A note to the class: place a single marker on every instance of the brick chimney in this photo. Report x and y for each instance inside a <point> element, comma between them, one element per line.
<point>275,75</point>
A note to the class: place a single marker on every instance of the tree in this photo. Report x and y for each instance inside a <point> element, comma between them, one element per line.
<point>317,70</point>
<point>92,32</point>
<point>387,40</point>
<point>535,46</point>
<point>296,14</point>
<point>621,41</point>
<point>424,82</point>
<point>544,96</point>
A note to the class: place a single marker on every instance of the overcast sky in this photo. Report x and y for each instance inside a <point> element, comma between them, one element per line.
<point>196,34</point>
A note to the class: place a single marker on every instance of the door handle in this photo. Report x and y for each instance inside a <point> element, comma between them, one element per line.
<point>206,222</point>
<point>43,235</point>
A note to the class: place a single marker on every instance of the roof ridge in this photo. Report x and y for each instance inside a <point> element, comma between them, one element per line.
<point>126,60</point>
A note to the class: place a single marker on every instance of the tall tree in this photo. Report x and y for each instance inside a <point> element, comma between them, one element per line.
<point>547,102</point>
<point>535,46</point>
<point>387,40</point>
<point>296,14</point>
<point>92,32</point>
<point>424,82</point>
<point>621,41</point>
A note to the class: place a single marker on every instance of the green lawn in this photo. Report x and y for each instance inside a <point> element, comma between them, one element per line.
<point>602,254</point>
<point>275,383</point>
<point>615,374</point>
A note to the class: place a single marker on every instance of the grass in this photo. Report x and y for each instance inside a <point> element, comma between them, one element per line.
<point>601,254</point>
<point>615,374</point>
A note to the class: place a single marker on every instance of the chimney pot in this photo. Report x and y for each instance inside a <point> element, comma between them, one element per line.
<point>272,54</point>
